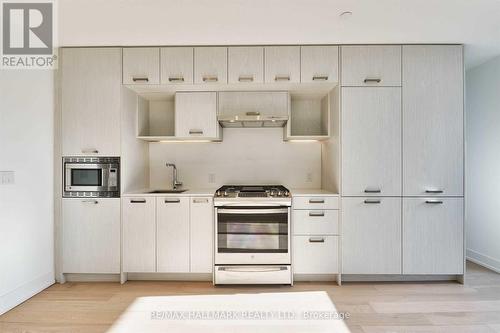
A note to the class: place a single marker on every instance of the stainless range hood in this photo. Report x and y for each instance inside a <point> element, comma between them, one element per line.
<point>252,120</point>
<point>251,109</point>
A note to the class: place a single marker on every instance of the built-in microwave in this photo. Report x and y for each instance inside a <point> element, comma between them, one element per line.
<point>91,177</point>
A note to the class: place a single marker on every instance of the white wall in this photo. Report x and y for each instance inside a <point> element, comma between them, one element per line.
<point>247,156</point>
<point>483,163</point>
<point>26,207</point>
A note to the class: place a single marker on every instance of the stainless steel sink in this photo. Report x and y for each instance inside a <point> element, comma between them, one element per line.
<point>167,191</point>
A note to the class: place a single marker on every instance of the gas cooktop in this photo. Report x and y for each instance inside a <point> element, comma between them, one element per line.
<point>252,191</point>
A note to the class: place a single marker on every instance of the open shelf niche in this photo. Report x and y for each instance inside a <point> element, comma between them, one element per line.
<point>156,116</point>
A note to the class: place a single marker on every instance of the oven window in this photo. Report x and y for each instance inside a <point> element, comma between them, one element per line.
<point>248,230</point>
<point>86,177</point>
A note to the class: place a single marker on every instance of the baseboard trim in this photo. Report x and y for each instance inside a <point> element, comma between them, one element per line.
<point>483,260</point>
<point>208,277</point>
<point>85,277</point>
<point>15,297</point>
<point>397,278</point>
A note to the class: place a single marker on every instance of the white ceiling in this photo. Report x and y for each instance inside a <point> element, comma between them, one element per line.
<point>476,23</point>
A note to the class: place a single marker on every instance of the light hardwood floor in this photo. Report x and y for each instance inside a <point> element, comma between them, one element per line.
<point>373,307</point>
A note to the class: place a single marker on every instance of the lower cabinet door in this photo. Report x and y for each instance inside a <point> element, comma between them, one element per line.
<point>91,235</point>
<point>433,236</point>
<point>315,254</point>
<point>172,237</point>
<point>202,235</point>
<point>371,241</point>
<point>139,230</point>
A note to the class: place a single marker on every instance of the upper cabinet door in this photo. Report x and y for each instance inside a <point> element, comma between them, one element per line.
<point>371,141</point>
<point>246,64</point>
<point>433,120</point>
<point>282,64</point>
<point>90,101</point>
<point>371,65</point>
<point>196,115</point>
<point>176,65</point>
<point>210,65</point>
<point>319,63</point>
<point>141,65</point>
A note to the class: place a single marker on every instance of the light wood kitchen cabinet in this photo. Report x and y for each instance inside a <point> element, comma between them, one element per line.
<point>176,64</point>
<point>319,63</point>
<point>91,236</point>
<point>433,236</point>
<point>196,115</point>
<point>90,101</point>
<point>371,242</point>
<point>371,65</point>
<point>210,65</point>
<point>201,235</point>
<point>433,120</point>
<point>371,141</point>
<point>282,64</point>
<point>172,238</point>
<point>315,222</point>
<point>246,65</point>
<point>315,254</point>
<point>141,65</point>
<point>139,234</point>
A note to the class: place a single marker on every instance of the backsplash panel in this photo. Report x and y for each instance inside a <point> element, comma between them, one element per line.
<point>245,156</point>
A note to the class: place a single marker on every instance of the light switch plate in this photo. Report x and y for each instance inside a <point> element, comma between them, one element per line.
<point>309,178</point>
<point>7,177</point>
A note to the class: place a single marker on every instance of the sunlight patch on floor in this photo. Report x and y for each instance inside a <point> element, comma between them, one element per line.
<point>263,312</point>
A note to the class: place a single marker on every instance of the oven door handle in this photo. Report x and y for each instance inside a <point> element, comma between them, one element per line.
<point>253,211</point>
<point>252,269</point>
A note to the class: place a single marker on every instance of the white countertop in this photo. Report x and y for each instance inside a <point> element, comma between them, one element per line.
<point>297,192</point>
<point>208,192</point>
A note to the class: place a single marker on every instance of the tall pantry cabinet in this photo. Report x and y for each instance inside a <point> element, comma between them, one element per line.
<point>402,159</point>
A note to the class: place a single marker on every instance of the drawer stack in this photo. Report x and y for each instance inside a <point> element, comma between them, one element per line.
<point>315,228</point>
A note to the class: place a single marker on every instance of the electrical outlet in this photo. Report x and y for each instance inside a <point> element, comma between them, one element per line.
<point>7,177</point>
<point>211,178</point>
<point>309,177</point>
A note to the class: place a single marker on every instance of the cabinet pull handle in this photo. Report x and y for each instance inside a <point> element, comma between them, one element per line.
<point>369,201</point>
<point>434,202</point>
<point>245,78</point>
<point>434,191</point>
<point>94,202</point>
<point>172,200</point>
<point>195,131</point>
<point>138,201</point>
<point>319,214</point>
<point>375,190</point>
<point>140,79</point>
<point>210,78</point>
<point>200,200</point>
<point>282,78</point>
<point>90,151</point>
<point>176,79</point>
<point>253,113</point>
<point>316,201</point>
<point>316,240</point>
<point>372,80</point>
<point>320,78</point>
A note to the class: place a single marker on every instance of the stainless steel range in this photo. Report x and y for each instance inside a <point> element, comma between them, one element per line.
<point>252,235</point>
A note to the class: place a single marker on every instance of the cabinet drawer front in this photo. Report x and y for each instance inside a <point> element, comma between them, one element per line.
<point>371,235</point>
<point>371,65</point>
<point>210,65</point>
<point>246,65</point>
<point>433,236</point>
<point>315,254</point>
<point>319,63</point>
<point>176,65</point>
<point>315,222</point>
<point>141,65</point>
<point>253,274</point>
<point>282,64</point>
<point>315,202</point>
<point>371,139</point>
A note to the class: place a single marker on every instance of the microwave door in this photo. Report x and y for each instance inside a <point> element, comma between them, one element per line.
<point>85,177</point>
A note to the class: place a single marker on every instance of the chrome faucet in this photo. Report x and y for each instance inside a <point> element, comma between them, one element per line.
<point>175,182</point>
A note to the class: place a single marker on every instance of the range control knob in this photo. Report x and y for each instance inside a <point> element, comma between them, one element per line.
<point>218,193</point>
<point>287,194</point>
<point>226,194</point>
<point>280,193</point>
<point>273,192</point>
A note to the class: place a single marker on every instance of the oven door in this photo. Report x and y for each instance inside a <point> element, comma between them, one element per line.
<point>87,177</point>
<point>252,235</point>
